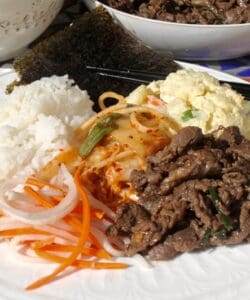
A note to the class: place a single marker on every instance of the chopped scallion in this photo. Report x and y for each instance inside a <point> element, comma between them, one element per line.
<point>102,128</point>
<point>225,220</point>
<point>189,114</point>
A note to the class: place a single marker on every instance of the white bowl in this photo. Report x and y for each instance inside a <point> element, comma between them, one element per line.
<point>22,21</point>
<point>185,41</point>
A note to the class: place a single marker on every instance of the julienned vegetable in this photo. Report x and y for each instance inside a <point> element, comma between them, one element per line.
<point>61,214</point>
<point>68,232</point>
<point>103,127</point>
<point>188,114</point>
<point>225,220</point>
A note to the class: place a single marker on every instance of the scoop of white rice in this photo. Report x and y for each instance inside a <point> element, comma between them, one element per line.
<point>36,122</point>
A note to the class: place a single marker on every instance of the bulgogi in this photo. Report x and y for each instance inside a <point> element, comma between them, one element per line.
<point>188,11</point>
<point>195,193</point>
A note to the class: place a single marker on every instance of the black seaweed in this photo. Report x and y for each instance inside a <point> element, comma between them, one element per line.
<point>93,39</point>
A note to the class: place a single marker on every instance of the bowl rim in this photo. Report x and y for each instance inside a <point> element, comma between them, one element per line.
<point>170,23</point>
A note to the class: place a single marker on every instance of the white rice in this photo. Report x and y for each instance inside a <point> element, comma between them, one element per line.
<point>36,122</point>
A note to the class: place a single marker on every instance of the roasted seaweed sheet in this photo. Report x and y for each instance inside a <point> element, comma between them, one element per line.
<point>93,39</point>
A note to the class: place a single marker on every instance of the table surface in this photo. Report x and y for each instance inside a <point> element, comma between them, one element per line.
<point>238,67</point>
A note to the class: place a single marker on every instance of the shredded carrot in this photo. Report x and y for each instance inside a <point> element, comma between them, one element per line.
<point>70,220</point>
<point>57,198</point>
<point>42,243</point>
<point>21,231</point>
<point>40,183</point>
<point>68,248</point>
<point>80,263</point>
<point>78,208</point>
<point>38,197</point>
<point>95,241</point>
<point>83,237</point>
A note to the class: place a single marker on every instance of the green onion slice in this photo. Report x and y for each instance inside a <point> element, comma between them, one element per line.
<point>189,114</point>
<point>102,128</point>
<point>225,220</point>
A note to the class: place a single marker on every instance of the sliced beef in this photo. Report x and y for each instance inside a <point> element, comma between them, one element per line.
<point>200,163</point>
<point>194,192</point>
<point>135,222</point>
<point>231,136</point>
<point>242,150</point>
<point>184,240</point>
<point>128,216</point>
<point>188,11</point>
<point>187,137</point>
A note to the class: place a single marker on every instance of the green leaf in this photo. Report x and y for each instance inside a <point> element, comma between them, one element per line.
<point>221,234</point>
<point>189,114</point>
<point>102,128</point>
<point>205,242</point>
<point>225,220</point>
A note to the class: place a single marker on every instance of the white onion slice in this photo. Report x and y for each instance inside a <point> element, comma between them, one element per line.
<point>59,233</point>
<point>51,215</point>
<point>102,225</point>
<point>142,261</point>
<point>49,192</point>
<point>23,252</point>
<point>7,223</point>
<point>99,205</point>
<point>61,224</point>
<point>101,237</point>
<point>139,126</point>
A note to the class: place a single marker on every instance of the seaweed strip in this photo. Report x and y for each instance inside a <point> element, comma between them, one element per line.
<point>93,39</point>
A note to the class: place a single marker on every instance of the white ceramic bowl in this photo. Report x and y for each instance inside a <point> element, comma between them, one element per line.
<point>186,41</point>
<point>22,21</point>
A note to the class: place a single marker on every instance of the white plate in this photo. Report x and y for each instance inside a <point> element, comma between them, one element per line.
<point>222,273</point>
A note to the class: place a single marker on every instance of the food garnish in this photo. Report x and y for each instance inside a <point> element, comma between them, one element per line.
<point>60,214</point>
<point>225,220</point>
<point>221,234</point>
<point>102,128</point>
<point>69,232</point>
<point>192,194</point>
<point>189,114</point>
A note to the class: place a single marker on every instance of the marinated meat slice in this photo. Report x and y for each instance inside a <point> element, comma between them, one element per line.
<point>144,235</point>
<point>242,149</point>
<point>196,164</point>
<point>128,216</point>
<point>240,235</point>
<point>172,211</point>
<point>195,192</point>
<point>188,11</point>
<point>187,137</point>
<point>139,180</point>
<point>231,135</point>
<point>134,222</point>
<point>182,241</point>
